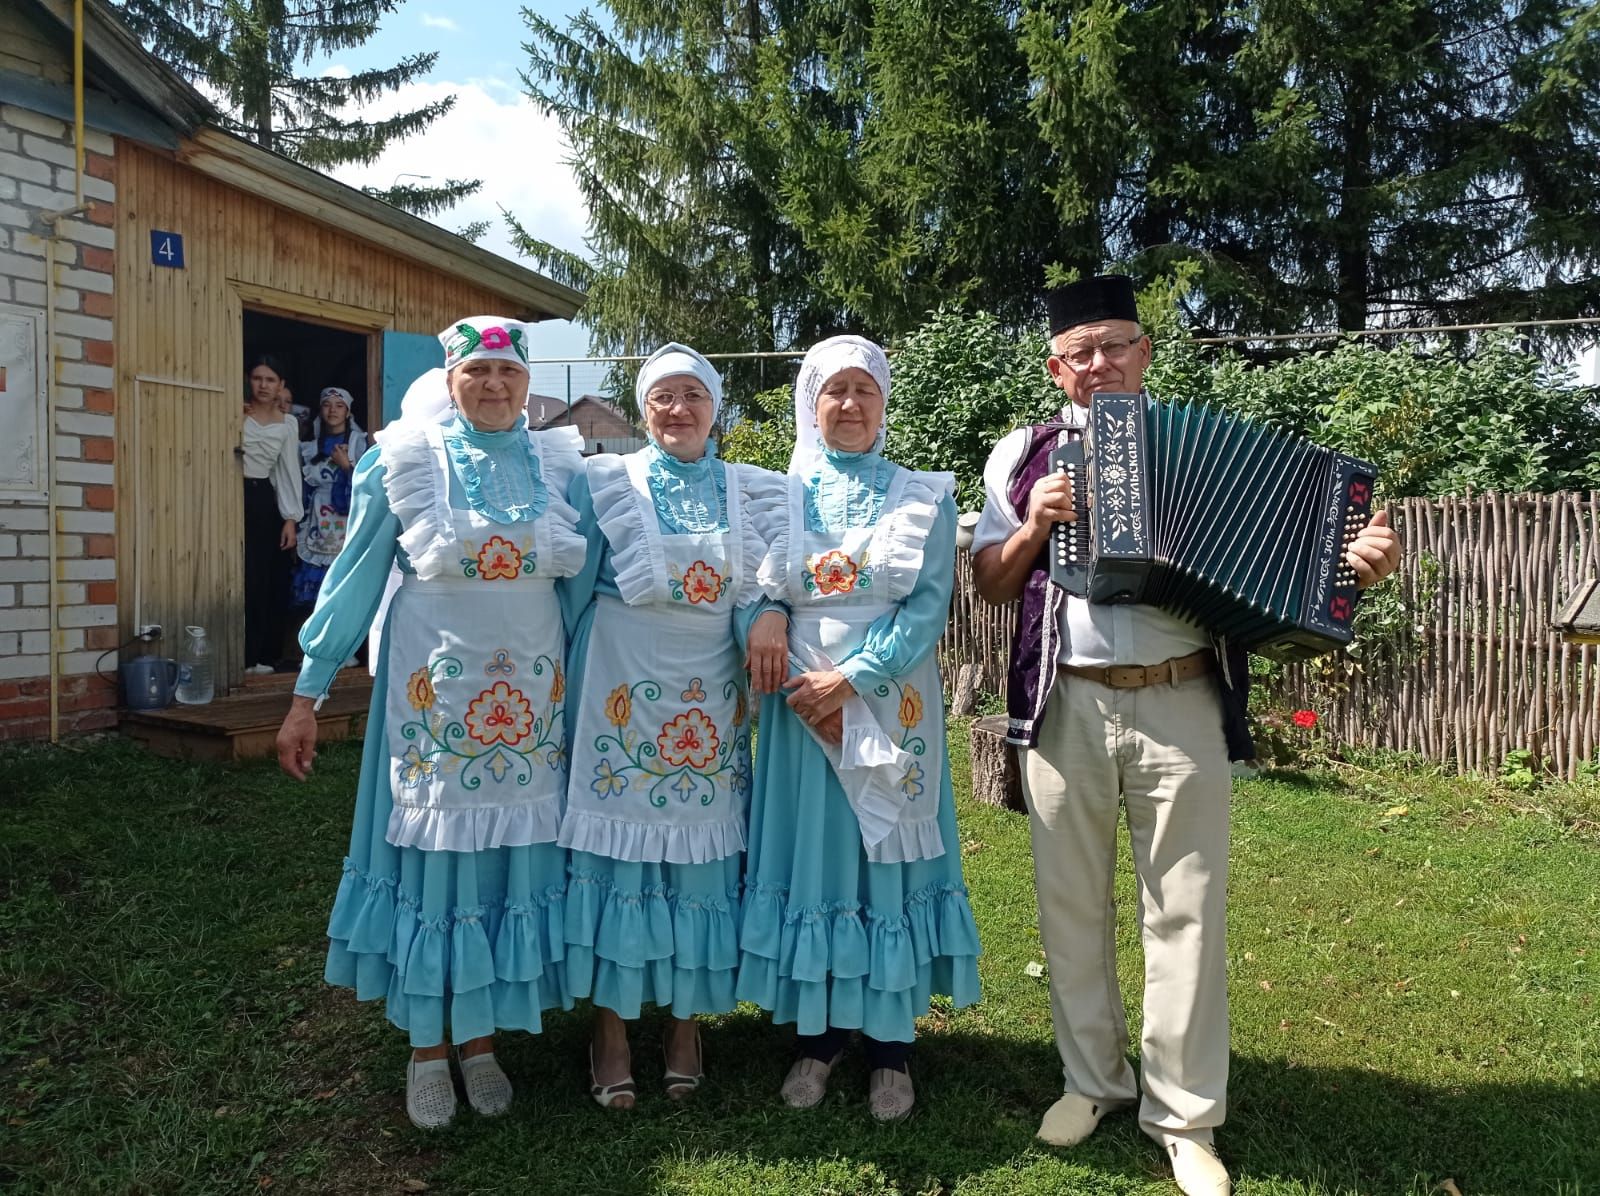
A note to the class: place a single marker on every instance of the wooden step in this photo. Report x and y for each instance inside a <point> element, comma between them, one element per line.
<point>245,724</point>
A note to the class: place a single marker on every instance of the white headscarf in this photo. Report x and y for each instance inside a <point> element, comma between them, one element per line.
<point>427,401</point>
<point>356,434</point>
<point>478,337</point>
<point>823,361</point>
<point>673,358</point>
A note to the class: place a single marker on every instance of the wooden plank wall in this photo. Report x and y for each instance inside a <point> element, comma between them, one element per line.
<point>1480,674</point>
<point>185,326</point>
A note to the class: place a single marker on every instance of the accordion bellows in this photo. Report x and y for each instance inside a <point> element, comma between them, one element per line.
<point>1213,517</point>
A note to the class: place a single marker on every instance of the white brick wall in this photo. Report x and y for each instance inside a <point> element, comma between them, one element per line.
<point>36,177</point>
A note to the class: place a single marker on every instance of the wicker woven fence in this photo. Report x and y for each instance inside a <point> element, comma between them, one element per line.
<point>1472,671</point>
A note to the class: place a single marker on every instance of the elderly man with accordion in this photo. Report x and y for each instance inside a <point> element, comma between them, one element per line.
<point>1138,698</point>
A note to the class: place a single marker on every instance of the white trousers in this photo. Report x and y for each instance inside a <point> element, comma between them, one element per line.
<point>1160,752</point>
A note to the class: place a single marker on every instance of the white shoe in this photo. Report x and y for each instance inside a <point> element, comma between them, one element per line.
<point>1197,1169</point>
<point>488,1088</point>
<point>430,1094</point>
<point>1071,1119</point>
<point>890,1094</point>
<point>260,670</point>
<point>807,1081</point>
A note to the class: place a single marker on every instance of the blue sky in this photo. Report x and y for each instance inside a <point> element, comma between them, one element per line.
<point>494,133</point>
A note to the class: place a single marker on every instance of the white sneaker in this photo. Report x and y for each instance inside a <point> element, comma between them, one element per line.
<point>1071,1119</point>
<point>430,1094</point>
<point>260,670</point>
<point>1197,1169</point>
<point>488,1088</point>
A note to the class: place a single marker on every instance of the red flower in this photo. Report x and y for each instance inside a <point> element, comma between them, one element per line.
<point>701,583</point>
<point>499,559</point>
<point>690,739</point>
<point>499,714</point>
<point>835,573</point>
<point>1305,718</point>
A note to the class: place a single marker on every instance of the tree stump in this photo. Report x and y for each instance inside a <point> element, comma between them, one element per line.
<point>996,779</point>
<point>964,697</point>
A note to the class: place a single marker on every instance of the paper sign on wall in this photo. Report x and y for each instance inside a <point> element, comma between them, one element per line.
<point>22,402</point>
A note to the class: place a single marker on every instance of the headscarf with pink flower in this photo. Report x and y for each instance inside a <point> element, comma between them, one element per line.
<point>479,337</point>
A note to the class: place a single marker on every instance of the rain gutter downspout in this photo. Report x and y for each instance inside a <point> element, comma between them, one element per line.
<point>52,514</point>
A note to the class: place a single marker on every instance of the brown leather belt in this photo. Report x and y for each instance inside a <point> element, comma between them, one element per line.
<point>1134,676</point>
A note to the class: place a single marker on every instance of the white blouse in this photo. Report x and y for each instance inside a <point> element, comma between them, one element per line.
<point>273,451</point>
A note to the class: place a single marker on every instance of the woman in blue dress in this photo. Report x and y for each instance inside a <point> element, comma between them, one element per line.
<point>659,711</point>
<point>855,913</point>
<point>327,463</point>
<point>452,902</point>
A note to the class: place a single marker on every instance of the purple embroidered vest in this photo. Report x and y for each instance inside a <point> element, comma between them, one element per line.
<point>1032,671</point>
<point>1037,643</point>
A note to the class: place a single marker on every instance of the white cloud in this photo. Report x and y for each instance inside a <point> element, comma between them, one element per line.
<point>429,21</point>
<point>336,70</point>
<point>514,148</point>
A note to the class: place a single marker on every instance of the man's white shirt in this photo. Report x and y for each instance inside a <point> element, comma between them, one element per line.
<point>1093,634</point>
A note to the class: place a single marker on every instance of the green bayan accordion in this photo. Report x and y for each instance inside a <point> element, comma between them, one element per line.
<point>1237,526</point>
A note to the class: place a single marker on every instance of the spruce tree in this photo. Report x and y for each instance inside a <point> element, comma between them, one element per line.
<point>763,172</point>
<point>1335,162</point>
<point>248,53</point>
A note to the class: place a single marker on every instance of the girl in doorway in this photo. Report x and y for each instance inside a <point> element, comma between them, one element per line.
<point>329,457</point>
<point>272,509</point>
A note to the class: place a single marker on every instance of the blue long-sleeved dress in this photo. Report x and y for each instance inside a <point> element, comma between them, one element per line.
<point>452,900</point>
<point>657,837</point>
<point>837,932</point>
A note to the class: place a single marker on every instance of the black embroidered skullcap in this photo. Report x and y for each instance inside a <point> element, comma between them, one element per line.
<point>1104,297</point>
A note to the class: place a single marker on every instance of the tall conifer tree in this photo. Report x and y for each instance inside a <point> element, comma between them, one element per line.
<point>249,52</point>
<point>760,172</point>
<point>1336,162</point>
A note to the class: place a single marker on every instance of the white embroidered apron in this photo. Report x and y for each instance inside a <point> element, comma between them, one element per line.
<point>889,761</point>
<point>477,741</point>
<point>661,747</point>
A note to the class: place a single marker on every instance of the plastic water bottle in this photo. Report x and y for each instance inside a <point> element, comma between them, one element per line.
<point>196,682</point>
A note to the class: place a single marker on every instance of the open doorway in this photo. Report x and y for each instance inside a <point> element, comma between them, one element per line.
<point>312,358</point>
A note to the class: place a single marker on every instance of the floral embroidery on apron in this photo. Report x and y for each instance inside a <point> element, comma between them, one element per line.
<point>891,727</point>
<point>661,746</point>
<point>475,722</point>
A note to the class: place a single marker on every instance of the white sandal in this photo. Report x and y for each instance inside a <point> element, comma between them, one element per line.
<point>430,1093</point>
<point>488,1087</point>
<point>607,1095</point>
<point>682,1085</point>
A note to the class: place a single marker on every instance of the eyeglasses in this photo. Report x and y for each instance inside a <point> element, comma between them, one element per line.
<point>1082,357</point>
<point>664,400</point>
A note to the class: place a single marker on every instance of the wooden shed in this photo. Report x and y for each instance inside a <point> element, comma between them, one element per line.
<point>210,245</point>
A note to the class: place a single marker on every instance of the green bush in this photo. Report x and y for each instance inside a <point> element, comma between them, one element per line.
<point>766,442</point>
<point>960,383</point>
<point>1432,422</point>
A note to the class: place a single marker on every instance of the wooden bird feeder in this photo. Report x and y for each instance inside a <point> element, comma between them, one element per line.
<point>1578,622</point>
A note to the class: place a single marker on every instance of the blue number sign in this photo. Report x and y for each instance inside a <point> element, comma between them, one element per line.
<point>166,249</point>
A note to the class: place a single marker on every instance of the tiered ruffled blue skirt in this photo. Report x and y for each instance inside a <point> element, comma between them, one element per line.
<point>656,934</point>
<point>455,943</point>
<point>647,933</point>
<point>826,938</point>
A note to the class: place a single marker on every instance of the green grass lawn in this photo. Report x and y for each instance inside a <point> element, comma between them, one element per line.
<point>1412,963</point>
